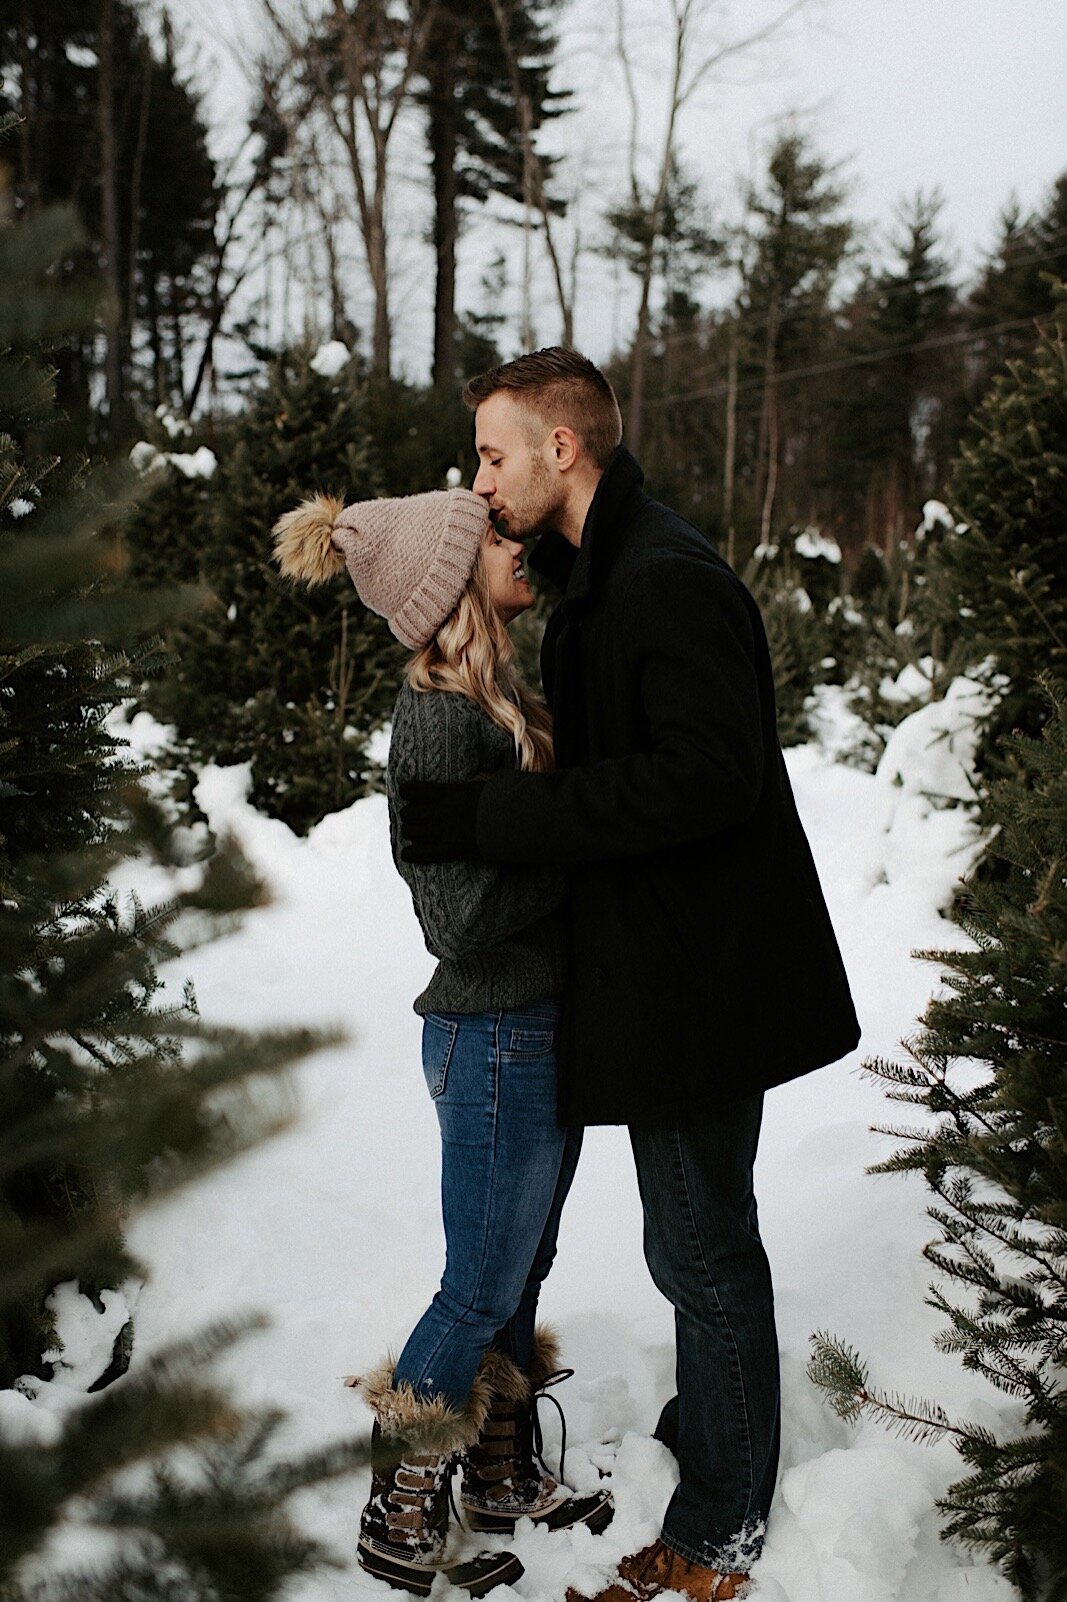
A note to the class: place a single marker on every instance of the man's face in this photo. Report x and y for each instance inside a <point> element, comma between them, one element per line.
<point>515,473</point>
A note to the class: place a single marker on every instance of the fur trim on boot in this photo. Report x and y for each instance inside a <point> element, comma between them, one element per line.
<point>303,543</point>
<point>432,1424</point>
<point>545,1359</point>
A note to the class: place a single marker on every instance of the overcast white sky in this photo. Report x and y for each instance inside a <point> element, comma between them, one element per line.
<point>967,95</point>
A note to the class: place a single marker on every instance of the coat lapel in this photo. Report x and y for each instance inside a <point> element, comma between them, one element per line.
<point>609,512</point>
<point>562,674</point>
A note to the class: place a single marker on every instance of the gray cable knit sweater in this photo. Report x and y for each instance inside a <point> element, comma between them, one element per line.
<point>496,930</point>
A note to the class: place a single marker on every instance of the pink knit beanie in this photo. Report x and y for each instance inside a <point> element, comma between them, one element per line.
<point>409,557</point>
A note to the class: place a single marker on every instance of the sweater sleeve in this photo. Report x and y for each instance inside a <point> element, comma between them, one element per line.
<point>692,646</point>
<point>461,906</point>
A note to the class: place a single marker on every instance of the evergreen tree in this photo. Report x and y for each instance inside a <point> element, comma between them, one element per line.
<point>998,586</point>
<point>288,679</point>
<point>794,243</point>
<point>154,172</point>
<point>1016,285</point>
<point>990,1069</point>
<point>796,586</point>
<point>681,444</point>
<point>108,1095</point>
<point>894,412</point>
<point>476,131</point>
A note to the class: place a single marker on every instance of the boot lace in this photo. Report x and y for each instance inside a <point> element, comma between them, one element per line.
<point>543,1393</point>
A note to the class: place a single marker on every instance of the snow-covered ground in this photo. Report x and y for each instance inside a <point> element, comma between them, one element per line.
<point>333,1230</point>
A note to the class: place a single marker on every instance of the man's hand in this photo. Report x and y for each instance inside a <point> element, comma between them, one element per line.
<point>438,821</point>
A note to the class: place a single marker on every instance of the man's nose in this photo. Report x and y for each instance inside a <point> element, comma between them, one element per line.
<point>483,481</point>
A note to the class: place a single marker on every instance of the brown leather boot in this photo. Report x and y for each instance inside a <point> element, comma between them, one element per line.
<point>656,1568</point>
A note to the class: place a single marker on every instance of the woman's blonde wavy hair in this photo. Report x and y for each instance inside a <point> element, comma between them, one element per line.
<point>471,655</point>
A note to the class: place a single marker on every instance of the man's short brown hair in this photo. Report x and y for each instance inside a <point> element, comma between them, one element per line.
<point>561,388</point>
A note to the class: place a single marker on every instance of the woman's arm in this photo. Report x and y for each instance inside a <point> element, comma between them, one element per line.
<point>439,735</point>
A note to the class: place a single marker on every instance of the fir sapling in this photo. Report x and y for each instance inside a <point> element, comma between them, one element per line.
<point>989,1068</point>
<point>159,1486</point>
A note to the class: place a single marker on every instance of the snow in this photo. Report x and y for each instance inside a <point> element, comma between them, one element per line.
<point>912,683</point>
<point>937,515</point>
<point>929,756</point>
<point>176,427</point>
<point>88,1336</point>
<point>193,463</point>
<point>20,506</point>
<point>453,478</point>
<point>848,609</point>
<point>330,358</point>
<point>378,745</point>
<point>146,458</point>
<point>80,55</point>
<point>197,464</point>
<point>812,543</point>
<point>333,1229</point>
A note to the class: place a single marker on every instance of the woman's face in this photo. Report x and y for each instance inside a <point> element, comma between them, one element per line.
<point>509,590</point>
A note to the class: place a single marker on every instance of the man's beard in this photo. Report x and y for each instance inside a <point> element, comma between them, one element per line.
<point>538,510</point>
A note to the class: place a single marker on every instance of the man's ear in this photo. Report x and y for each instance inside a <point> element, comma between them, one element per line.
<point>564,448</point>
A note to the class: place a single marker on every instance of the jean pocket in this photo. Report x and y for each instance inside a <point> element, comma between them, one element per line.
<point>532,1042</point>
<point>438,1039</point>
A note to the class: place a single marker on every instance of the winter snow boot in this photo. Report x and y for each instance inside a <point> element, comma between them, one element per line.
<point>656,1569</point>
<point>504,1476</point>
<point>403,1531</point>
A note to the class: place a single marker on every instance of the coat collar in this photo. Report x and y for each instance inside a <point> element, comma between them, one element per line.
<point>574,570</point>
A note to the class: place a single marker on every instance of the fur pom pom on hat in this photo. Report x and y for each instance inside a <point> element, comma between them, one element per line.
<point>410,557</point>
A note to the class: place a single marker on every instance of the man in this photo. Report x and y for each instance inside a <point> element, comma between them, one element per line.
<point>704,965</point>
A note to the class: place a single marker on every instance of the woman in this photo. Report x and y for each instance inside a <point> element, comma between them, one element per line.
<point>465,1382</point>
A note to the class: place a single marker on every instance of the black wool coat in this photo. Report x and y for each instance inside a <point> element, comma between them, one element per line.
<point>703,961</point>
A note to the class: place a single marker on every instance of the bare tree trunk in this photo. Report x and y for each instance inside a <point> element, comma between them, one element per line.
<point>533,181</point>
<point>138,169</point>
<point>770,402</point>
<point>635,411</point>
<point>178,336</point>
<point>731,446</point>
<point>687,16</point>
<point>526,334</point>
<point>29,111</point>
<point>443,141</point>
<point>109,226</point>
<point>639,353</point>
<point>378,263</point>
<point>365,92</point>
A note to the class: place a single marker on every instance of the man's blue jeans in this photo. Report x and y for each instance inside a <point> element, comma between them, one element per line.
<point>506,1168</point>
<point>704,1252</point>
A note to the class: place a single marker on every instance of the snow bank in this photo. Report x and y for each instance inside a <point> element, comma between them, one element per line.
<point>333,1228</point>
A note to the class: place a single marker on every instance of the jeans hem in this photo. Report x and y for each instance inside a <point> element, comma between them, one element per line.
<point>735,1556</point>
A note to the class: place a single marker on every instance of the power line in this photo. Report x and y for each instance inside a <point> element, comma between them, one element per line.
<point>865,359</point>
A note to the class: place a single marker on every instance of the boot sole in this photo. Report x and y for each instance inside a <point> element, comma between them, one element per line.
<point>417,1578</point>
<point>555,1518</point>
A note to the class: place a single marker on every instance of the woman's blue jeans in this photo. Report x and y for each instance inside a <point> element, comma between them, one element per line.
<point>506,1168</point>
